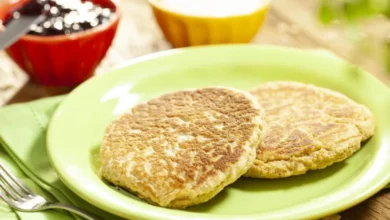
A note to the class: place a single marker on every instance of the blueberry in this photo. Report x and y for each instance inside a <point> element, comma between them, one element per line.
<point>63,17</point>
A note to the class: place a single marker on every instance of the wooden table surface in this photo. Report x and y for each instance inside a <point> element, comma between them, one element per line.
<point>290,23</point>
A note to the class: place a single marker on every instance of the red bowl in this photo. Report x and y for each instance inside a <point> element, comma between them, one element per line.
<point>63,60</point>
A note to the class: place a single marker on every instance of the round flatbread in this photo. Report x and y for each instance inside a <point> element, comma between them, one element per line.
<point>182,148</point>
<point>306,128</point>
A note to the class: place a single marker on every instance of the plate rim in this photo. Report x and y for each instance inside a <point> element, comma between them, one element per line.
<point>370,191</point>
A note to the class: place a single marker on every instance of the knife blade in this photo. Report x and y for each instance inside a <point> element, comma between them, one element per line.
<point>18,27</point>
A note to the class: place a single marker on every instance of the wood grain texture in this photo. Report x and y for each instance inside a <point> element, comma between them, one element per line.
<point>290,23</point>
<point>376,208</point>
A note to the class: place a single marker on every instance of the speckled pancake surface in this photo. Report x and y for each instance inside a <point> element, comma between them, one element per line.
<point>183,148</point>
<point>306,128</point>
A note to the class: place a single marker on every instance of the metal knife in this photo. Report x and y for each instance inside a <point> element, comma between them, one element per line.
<point>18,27</point>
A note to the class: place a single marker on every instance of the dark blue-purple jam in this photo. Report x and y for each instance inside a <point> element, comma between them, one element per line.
<point>63,16</point>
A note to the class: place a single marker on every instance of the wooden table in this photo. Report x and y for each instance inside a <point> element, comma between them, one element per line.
<point>289,23</point>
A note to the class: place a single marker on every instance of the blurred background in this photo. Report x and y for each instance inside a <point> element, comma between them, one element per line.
<point>355,30</point>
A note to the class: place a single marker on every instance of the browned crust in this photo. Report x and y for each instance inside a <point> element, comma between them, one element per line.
<point>307,128</point>
<point>182,148</point>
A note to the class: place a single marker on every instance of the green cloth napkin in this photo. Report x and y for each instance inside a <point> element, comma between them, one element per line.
<point>23,150</point>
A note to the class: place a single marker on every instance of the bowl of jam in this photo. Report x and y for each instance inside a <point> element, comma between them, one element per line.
<point>65,47</point>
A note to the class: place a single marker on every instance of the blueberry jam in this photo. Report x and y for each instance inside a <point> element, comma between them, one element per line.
<point>63,16</point>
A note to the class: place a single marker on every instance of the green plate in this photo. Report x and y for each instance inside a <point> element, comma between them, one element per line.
<point>77,127</point>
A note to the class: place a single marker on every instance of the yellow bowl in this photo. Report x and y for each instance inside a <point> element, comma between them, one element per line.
<point>183,30</point>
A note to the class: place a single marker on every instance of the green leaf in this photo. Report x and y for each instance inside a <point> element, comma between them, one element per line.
<point>327,12</point>
<point>387,56</point>
<point>357,9</point>
<point>386,12</point>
